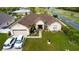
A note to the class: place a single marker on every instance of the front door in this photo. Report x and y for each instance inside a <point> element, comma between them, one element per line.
<point>40,27</point>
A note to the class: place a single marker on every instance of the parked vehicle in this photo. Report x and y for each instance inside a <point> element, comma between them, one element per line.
<point>19,42</point>
<point>9,43</point>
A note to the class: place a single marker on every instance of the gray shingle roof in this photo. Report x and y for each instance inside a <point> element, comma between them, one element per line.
<point>4,18</point>
<point>33,18</point>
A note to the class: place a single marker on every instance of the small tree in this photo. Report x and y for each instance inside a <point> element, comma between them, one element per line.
<point>32,29</point>
<point>72,14</point>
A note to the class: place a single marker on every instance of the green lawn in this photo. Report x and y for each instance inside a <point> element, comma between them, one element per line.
<point>3,38</point>
<point>60,42</point>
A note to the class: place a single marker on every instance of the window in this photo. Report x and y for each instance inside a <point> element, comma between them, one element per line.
<point>55,27</point>
<point>22,38</point>
<point>11,41</point>
<point>18,41</point>
<point>6,45</point>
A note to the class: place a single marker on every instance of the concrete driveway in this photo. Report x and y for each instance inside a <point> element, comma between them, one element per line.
<point>12,49</point>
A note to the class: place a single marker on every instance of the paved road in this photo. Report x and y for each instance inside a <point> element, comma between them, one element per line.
<point>70,22</point>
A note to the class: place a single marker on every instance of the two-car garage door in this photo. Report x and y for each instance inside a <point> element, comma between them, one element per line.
<point>19,29</point>
<point>20,32</point>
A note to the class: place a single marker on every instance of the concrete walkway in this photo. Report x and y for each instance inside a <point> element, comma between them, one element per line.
<point>40,35</point>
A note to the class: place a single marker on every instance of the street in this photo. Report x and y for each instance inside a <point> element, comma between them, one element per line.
<point>70,22</point>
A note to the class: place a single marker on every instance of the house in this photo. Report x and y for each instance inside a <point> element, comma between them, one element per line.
<point>40,21</point>
<point>5,20</point>
<point>22,11</point>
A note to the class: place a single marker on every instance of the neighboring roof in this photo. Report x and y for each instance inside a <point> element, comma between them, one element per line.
<point>22,11</point>
<point>4,30</point>
<point>5,17</point>
<point>33,18</point>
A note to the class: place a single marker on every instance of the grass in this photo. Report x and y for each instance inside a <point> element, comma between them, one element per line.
<point>3,38</point>
<point>60,42</point>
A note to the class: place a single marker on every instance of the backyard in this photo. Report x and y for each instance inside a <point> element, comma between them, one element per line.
<point>59,42</point>
<point>3,38</point>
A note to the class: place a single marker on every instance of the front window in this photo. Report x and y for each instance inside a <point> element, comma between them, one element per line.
<point>18,41</point>
<point>55,27</point>
<point>11,41</point>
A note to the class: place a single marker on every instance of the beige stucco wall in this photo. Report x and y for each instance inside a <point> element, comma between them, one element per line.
<point>19,27</point>
<point>40,22</point>
<point>57,25</point>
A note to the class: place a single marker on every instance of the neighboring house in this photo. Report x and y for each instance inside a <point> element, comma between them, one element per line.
<point>5,20</point>
<point>41,21</point>
<point>22,11</point>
